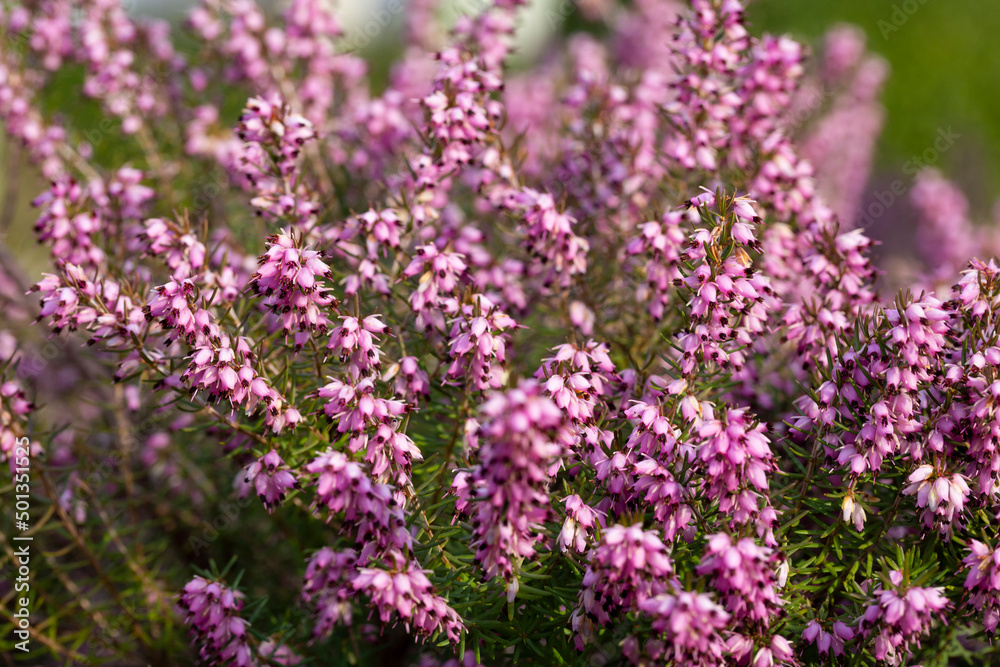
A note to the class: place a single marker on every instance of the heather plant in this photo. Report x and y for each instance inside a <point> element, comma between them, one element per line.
<point>571,364</point>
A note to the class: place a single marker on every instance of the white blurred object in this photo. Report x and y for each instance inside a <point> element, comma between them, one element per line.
<point>536,22</point>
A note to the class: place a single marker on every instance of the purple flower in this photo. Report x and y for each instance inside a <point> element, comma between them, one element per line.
<point>404,591</point>
<point>899,615</point>
<point>827,638</point>
<point>691,625</point>
<point>344,488</point>
<point>212,612</point>
<point>625,569</point>
<point>327,588</point>
<point>983,580</point>
<point>270,483</point>
<point>745,575</point>
<point>522,435</point>
<point>289,279</point>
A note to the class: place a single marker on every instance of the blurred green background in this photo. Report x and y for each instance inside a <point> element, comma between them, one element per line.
<point>945,72</point>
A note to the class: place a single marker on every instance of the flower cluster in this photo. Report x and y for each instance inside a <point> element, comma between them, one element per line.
<point>402,591</point>
<point>273,139</point>
<point>899,615</point>
<point>690,624</point>
<point>627,568</point>
<point>268,479</point>
<point>344,488</point>
<point>452,314</point>
<point>520,442</point>
<point>983,580</point>
<point>14,408</point>
<point>827,639</point>
<point>289,279</point>
<point>212,610</point>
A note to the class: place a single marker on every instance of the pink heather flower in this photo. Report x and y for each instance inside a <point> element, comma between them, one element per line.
<point>691,625</point>
<point>270,483</point>
<point>575,392</point>
<point>273,138</point>
<point>888,422</point>
<point>381,128</point>
<point>460,113</point>
<point>843,48</point>
<point>969,293</point>
<point>212,612</point>
<point>184,254</point>
<point>327,588</point>
<point>279,654</point>
<point>344,488</point>
<point>899,616</point>
<point>389,451</point>
<point>384,227</point>
<point>580,379</point>
<point>549,234</point>
<point>477,344</point>
<point>225,372</point>
<point>825,639</point>
<point>946,238</point>
<point>852,510</point>
<point>73,300</point>
<point>358,410</point>
<point>125,197</point>
<point>411,381</point>
<point>362,241</point>
<point>404,591</point>
<point>746,577</point>
<point>665,495</point>
<point>841,143</point>
<point>943,496</point>
<point>175,306</point>
<point>653,434</point>
<point>582,317</point>
<point>521,438</point>
<point>355,407</point>
<point>727,298</point>
<point>627,567</point>
<point>580,519</point>
<point>288,278</point>
<point>744,211</point>
<point>737,460</point>
<point>69,224</point>
<point>14,408</point>
<point>441,273</point>
<point>354,342</point>
<point>983,580</point>
<point>662,246</point>
<point>778,652</point>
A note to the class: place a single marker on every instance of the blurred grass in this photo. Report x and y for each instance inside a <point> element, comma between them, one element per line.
<point>945,71</point>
